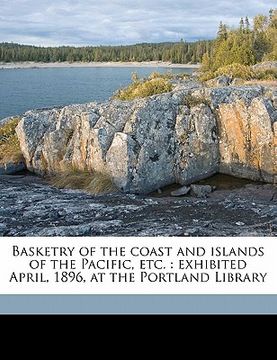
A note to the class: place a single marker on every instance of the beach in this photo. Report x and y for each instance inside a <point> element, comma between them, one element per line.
<point>39,65</point>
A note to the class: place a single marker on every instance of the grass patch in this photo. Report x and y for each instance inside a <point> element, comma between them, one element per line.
<point>240,71</point>
<point>9,144</point>
<point>260,82</point>
<point>156,75</point>
<point>168,76</point>
<point>267,74</point>
<point>233,71</point>
<point>140,88</point>
<point>205,76</point>
<point>92,182</point>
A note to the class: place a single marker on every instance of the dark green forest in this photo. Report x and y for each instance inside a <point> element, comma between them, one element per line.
<point>181,52</point>
<point>245,45</point>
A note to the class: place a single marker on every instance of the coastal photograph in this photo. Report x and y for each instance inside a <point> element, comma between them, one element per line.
<point>135,118</point>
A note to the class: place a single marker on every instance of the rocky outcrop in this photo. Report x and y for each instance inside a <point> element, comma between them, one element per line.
<point>248,135</point>
<point>145,144</point>
<point>220,81</point>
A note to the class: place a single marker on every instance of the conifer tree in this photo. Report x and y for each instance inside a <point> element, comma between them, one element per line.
<point>222,31</point>
<point>241,25</point>
<point>247,24</point>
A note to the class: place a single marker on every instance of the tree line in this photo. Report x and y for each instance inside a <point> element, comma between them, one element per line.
<point>246,45</point>
<point>181,52</point>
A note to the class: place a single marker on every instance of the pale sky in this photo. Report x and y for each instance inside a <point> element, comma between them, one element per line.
<point>114,22</point>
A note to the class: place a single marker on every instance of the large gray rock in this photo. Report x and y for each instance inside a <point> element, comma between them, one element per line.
<point>220,81</point>
<point>145,144</point>
<point>201,191</point>
<point>196,154</point>
<point>184,190</point>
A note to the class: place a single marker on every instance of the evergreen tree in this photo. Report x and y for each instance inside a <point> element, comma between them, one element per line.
<point>247,24</point>
<point>222,32</point>
<point>260,42</point>
<point>241,25</point>
<point>245,45</point>
<point>271,35</point>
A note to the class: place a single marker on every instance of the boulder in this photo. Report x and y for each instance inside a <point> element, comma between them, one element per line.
<point>184,190</point>
<point>201,191</point>
<point>220,81</point>
<point>141,144</point>
<point>145,144</point>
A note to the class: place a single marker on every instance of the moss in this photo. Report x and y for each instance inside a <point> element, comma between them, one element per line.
<point>92,182</point>
<point>9,144</point>
<point>267,74</point>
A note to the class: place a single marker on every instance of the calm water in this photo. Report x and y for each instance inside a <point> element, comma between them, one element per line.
<point>25,89</point>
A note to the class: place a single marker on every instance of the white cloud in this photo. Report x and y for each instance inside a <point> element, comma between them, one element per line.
<point>93,22</point>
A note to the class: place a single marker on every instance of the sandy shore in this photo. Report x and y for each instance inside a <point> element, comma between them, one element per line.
<point>35,65</point>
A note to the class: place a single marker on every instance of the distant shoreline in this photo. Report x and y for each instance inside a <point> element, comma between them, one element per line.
<point>41,65</point>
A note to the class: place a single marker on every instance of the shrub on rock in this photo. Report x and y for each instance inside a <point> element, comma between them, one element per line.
<point>154,85</point>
